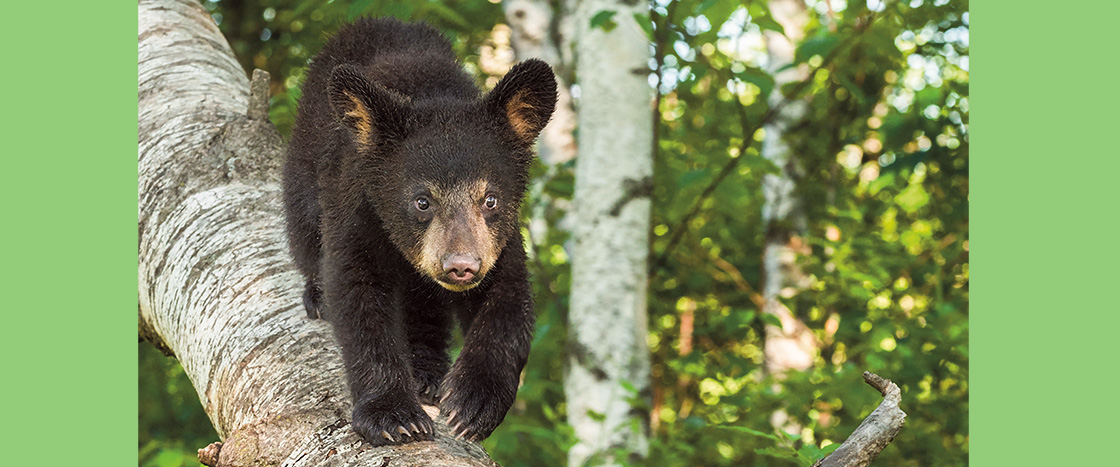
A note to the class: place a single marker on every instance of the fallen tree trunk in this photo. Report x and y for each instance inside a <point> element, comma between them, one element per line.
<point>217,287</point>
<point>876,431</point>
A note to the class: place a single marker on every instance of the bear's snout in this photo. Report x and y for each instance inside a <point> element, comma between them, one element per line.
<point>460,268</point>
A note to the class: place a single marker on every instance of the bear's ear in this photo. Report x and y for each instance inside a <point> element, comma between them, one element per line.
<point>371,112</point>
<point>525,98</point>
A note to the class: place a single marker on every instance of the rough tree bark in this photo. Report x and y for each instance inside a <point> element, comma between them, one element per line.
<point>876,431</point>
<point>216,284</point>
<point>607,320</point>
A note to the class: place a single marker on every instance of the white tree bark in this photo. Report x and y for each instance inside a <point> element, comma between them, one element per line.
<point>537,30</point>
<point>216,284</point>
<point>607,321</point>
<point>792,346</point>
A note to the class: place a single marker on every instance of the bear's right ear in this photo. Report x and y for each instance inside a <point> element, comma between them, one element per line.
<point>525,99</point>
<point>371,112</point>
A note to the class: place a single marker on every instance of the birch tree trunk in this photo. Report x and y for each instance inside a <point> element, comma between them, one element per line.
<point>792,346</point>
<point>607,321</point>
<point>217,287</point>
<point>539,29</point>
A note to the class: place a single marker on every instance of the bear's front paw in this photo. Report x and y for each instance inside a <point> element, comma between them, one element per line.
<point>392,420</point>
<point>475,404</point>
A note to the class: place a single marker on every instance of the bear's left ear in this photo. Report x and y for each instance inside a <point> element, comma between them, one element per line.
<point>525,98</point>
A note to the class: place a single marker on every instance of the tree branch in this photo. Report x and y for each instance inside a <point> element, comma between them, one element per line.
<point>876,431</point>
<point>216,283</point>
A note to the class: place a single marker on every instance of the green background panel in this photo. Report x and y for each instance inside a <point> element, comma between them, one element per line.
<point>1044,317</point>
<point>1043,236</point>
<point>69,233</point>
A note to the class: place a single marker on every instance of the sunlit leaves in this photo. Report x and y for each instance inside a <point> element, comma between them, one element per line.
<point>757,77</point>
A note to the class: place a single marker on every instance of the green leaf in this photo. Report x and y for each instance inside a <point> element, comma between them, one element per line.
<point>760,15</point>
<point>693,422</point>
<point>771,320</point>
<point>703,6</point>
<point>747,317</point>
<point>629,387</point>
<point>646,24</point>
<point>809,453</point>
<point>602,20</point>
<point>780,453</point>
<point>768,23</point>
<point>852,88</point>
<point>820,45</point>
<point>749,431</point>
<point>717,12</point>
<point>759,78</point>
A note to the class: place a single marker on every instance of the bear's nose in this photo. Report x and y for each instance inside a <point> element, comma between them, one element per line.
<point>460,268</point>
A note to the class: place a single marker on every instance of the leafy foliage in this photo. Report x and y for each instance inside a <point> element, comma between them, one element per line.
<point>881,163</point>
<point>882,175</point>
<point>173,425</point>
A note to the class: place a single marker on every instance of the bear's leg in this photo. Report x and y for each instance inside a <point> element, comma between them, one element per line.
<point>482,384</point>
<point>304,239</point>
<point>360,302</point>
<point>427,319</point>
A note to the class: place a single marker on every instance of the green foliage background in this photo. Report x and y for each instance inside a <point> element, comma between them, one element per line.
<point>882,155</point>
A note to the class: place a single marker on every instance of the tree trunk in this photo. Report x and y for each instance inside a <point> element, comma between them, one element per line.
<point>607,320</point>
<point>791,346</point>
<point>216,284</point>
<point>537,32</point>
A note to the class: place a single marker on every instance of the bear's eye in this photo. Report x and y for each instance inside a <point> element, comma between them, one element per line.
<point>422,203</point>
<point>491,201</point>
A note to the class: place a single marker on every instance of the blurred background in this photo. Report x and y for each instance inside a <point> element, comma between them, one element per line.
<point>852,246</point>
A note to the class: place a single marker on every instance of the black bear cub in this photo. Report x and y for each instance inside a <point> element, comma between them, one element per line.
<point>402,187</point>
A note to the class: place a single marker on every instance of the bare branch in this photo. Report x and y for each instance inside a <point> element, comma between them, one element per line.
<point>876,431</point>
<point>258,95</point>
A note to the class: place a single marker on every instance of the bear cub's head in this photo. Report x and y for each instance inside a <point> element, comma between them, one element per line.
<point>445,174</point>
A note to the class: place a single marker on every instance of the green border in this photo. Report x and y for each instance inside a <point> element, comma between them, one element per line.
<point>69,236</point>
<point>1044,233</point>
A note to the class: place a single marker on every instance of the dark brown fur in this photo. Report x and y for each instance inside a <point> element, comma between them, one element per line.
<point>388,117</point>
